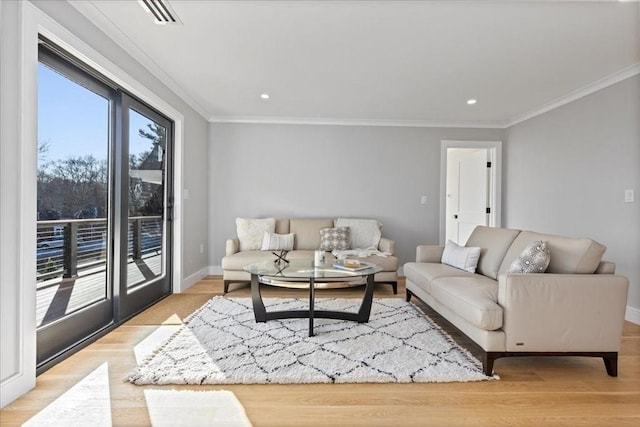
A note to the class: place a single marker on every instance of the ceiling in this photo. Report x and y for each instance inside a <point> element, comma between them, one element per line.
<point>379,62</point>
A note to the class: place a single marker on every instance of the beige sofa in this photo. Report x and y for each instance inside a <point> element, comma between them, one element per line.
<point>306,240</point>
<point>576,307</point>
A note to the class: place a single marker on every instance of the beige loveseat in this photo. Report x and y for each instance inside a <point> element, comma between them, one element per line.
<point>306,232</point>
<point>576,307</point>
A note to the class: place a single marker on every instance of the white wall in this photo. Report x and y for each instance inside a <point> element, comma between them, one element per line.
<point>21,22</point>
<point>565,172</point>
<point>330,171</point>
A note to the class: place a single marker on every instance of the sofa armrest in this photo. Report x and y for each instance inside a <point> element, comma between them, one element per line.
<point>606,267</point>
<point>563,312</point>
<point>429,253</point>
<point>387,245</point>
<point>233,246</point>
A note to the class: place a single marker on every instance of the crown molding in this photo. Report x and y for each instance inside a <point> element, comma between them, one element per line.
<point>97,18</point>
<point>605,82</point>
<point>356,122</point>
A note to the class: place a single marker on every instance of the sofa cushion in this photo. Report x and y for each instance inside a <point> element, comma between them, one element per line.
<point>251,231</point>
<point>365,233</point>
<point>533,259</point>
<point>462,257</point>
<point>282,225</point>
<point>337,238</point>
<point>423,273</point>
<point>569,255</point>
<point>307,231</point>
<point>388,263</point>
<point>308,255</point>
<point>238,260</point>
<point>495,243</point>
<point>472,298</point>
<point>273,241</point>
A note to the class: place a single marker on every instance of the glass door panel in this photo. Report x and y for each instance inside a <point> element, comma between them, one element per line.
<point>145,239</point>
<point>73,295</point>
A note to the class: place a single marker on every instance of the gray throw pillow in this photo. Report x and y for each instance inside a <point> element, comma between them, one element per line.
<point>334,239</point>
<point>533,259</point>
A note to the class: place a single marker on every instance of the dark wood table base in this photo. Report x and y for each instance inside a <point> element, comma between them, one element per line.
<point>262,315</point>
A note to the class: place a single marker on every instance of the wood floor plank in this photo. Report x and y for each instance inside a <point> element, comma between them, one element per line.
<point>553,391</point>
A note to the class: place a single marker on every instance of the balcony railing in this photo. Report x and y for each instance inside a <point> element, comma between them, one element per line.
<point>66,247</point>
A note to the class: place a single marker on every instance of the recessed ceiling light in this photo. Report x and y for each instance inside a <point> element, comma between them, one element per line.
<point>471,101</point>
<point>264,96</point>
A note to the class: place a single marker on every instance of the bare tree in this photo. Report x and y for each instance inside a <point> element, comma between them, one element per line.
<point>75,187</point>
<point>149,197</point>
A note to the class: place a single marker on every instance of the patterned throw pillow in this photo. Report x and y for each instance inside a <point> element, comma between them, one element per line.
<point>277,242</point>
<point>533,259</point>
<point>334,238</point>
<point>462,257</point>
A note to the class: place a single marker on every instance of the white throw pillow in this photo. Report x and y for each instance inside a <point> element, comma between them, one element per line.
<point>461,257</point>
<point>533,259</point>
<point>277,242</point>
<point>365,233</point>
<point>251,231</point>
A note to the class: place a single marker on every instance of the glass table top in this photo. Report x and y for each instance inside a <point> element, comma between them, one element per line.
<point>304,269</point>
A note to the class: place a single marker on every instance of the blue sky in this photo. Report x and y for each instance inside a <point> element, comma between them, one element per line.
<point>75,121</point>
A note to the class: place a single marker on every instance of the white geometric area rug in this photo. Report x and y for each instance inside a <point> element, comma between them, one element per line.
<point>221,343</point>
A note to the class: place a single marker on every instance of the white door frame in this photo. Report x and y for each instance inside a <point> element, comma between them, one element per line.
<point>495,154</point>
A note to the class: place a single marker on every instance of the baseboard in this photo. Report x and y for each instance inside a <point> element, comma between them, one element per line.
<point>191,280</point>
<point>632,315</point>
<point>215,270</point>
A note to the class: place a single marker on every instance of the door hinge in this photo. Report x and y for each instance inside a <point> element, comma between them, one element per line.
<point>488,164</point>
<point>488,210</point>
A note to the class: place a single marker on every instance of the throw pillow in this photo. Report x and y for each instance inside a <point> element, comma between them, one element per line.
<point>533,259</point>
<point>464,258</point>
<point>277,242</point>
<point>251,231</point>
<point>365,233</point>
<point>334,239</point>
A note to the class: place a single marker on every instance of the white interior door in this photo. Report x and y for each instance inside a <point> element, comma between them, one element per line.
<point>467,192</point>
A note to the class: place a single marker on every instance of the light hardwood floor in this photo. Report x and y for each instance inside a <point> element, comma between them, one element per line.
<point>531,391</point>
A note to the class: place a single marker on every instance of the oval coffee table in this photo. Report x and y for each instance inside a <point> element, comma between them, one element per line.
<point>304,272</point>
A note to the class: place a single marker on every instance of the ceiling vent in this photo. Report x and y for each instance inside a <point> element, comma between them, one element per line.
<point>162,12</point>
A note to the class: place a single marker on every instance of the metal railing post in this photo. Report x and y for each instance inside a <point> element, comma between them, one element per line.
<point>70,256</point>
<point>136,235</point>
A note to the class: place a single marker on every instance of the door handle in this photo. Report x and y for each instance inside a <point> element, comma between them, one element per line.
<point>455,216</point>
<point>169,207</point>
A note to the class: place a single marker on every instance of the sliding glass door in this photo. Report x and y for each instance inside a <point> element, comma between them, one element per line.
<point>104,204</point>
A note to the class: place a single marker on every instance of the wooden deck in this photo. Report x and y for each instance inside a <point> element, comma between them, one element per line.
<point>59,297</point>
